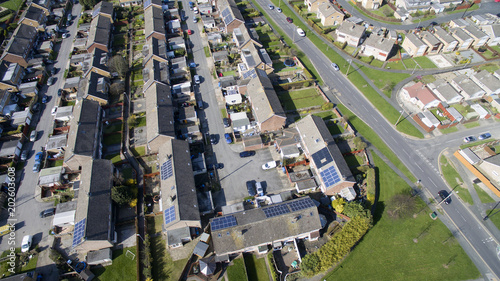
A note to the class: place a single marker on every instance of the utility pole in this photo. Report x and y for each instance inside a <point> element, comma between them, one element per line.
<point>463,16</point>
<point>347,73</point>
<point>418,23</point>
<point>401,115</point>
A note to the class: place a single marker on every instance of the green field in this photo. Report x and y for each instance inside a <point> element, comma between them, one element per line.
<point>294,100</point>
<point>12,4</point>
<point>122,269</point>
<point>237,270</point>
<point>483,195</point>
<point>388,250</point>
<point>454,180</point>
<point>383,80</point>
<point>256,268</point>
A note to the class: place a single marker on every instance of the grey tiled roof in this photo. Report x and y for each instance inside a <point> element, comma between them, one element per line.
<point>100,31</point>
<point>159,111</point>
<point>84,129</point>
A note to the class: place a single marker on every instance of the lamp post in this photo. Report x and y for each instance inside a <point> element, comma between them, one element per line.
<point>347,73</point>
<point>419,23</point>
<point>401,111</point>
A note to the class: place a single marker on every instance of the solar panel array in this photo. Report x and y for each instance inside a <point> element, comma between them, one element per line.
<point>330,176</point>
<point>169,215</point>
<point>147,3</point>
<point>276,210</point>
<point>251,73</point>
<point>223,222</point>
<point>301,204</point>
<point>228,19</point>
<point>78,233</point>
<point>225,12</point>
<point>322,158</point>
<point>166,170</point>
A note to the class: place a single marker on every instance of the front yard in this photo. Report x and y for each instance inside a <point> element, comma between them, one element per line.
<point>297,99</point>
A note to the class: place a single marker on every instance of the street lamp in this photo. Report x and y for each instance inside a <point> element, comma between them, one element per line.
<point>347,73</point>
<point>401,111</point>
<point>419,23</point>
<point>414,69</point>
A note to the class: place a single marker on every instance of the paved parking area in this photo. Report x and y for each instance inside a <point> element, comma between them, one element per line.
<point>440,61</point>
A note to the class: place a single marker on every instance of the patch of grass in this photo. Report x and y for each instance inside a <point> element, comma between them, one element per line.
<point>384,11</point>
<point>474,143</point>
<point>112,139</point>
<point>436,254</point>
<point>454,180</point>
<point>122,269</point>
<point>140,122</point>
<point>162,267</point>
<point>471,125</point>
<point>395,65</point>
<point>490,67</point>
<point>370,17</point>
<point>300,99</point>
<point>280,67</point>
<point>223,112</point>
<point>207,51</point>
<point>428,79</point>
<point>335,129</point>
<point>353,160</point>
<point>449,130</point>
<point>12,4</point>
<point>424,62</point>
<point>237,270</point>
<point>113,127</point>
<point>483,195</point>
<point>383,80</point>
<point>229,73</point>
<point>115,158</point>
<point>474,7</point>
<point>138,151</point>
<point>256,268</point>
<point>177,268</point>
<point>494,217</point>
<point>325,115</point>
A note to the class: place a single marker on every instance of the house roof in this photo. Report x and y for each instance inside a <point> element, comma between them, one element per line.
<point>155,70</point>
<point>176,236</point>
<point>495,160</point>
<point>243,36</point>
<point>147,3</point>
<point>21,41</point>
<point>487,79</point>
<point>220,55</point>
<point>380,43</point>
<point>429,38</point>
<point>100,59</point>
<point>154,21</point>
<point>84,129</point>
<point>8,148</point>
<point>468,86</point>
<point>290,137</point>
<point>323,150</point>
<point>474,31</point>
<point>351,29</point>
<point>64,111</point>
<point>327,9</point>
<point>493,30</point>
<point>50,175</point>
<point>444,36</point>
<point>154,47</point>
<point>459,22</point>
<point>460,34</point>
<point>56,141</point>
<point>72,82</point>
<point>177,182</point>
<point>94,199</point>
<point>96,86</point>
<point>265,101</point>
<point>413,39</point>
<point>445,90</point>
<point>159,112</point>
<point>103,8</point>
<point>229,12</point>
<point>35,13</point>
<point>100,31</point>
<point>421,92</point>
<point>254,228</point>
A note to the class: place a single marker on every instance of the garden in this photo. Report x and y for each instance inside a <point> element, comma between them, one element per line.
<point>298,99</point>
<point>123,268</point>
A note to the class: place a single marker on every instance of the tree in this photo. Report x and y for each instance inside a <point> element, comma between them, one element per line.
<point>89,3</point>
<point>353,209</point>
<point>119,65</point>
<point>338,205</point>
<point>310,265</point>
<point>123,195</point>
<point>116,88</point>
<point>401,205</point>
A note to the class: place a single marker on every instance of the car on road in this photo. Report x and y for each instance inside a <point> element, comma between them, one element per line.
<point>484,136</point>
<point>39,156</point>
<point>214,139</point>
<point>269,165</point>
<point>59,92</point>
<point>259,189</point>
<point>301,32</point>
<point>195,20</point>
<point>65,35</point>
<point>24,155</point>
<point>445,196</point>
<point>54,110</point>
<point>36,167</point>
<point>45,99</point>
<point>50,81</point>
<point>195,10</point>
<point>36,107</point>
<point>192,64</point>
<point>53,71</point>
<point>335,66</point>
<point>48,213</point>
<point>469,139</point>
<point>247,154</point>
<point>226,122</point>
<point>33,135</point>
<point>26,243</point>
<point>196,79</point>
<point>251,188</point>
<point>271,7</point>
<point>279,10</point>
<point>289,19</point>
<point>228,138</point>
<point>190,32</point>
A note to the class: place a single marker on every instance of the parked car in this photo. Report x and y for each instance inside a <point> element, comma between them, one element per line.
<point>216,166</point>
<point>279,10</point>
<point>271,7</point>
<point>50,81</point>
<point>228,138</point>
<point>269,165</point>
<point>251,188</point>
<point>33,135</point>
<point>195,20</point>
<point>259,189</point>
<point>335,66</point>
<point>48,213</point>
<point>38,157</point>
<point>59,92</point>
<point>24,155</point>
<point>247,154</point>
<point>445,196</point>
<point>66,35</point>
<point>469,139</point>
<point>196,79</point>
<point>214,139</point>
<point>36,107</point>
<point>226,122</point>
<point>190,32</point>
<point>484,136</point>
<point>45,99</point>
<point>289,19</point>
<point>36,167</point>
<point>26,243</point>
<point>53,71</point>
<point>195,10</point>
<point>301,32</point>
<point>54,110</point>
<point>192,65</point>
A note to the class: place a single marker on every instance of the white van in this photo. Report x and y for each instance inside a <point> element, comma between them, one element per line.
<point>26,244</point>
<point>260,190</point>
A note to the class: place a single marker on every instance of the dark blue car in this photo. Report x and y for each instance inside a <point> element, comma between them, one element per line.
<point>228,138</point>
<point>247,154</point>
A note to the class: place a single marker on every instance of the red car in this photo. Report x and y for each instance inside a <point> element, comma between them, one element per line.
<point>288,19</point>
<point>190,32</point>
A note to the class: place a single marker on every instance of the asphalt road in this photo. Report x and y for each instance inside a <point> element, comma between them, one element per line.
<point>28,209</point>
<point>419,156</point>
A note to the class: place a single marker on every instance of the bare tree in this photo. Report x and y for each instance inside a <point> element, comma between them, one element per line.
<point>119,65</point>
<point>401,206</point>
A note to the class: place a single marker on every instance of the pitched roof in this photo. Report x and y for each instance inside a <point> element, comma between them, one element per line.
<point>159,112</point>
<point>467,85</point>
<point>327,9</point>
<point>100,31</point>
<point>415,40</point>
<point>444,36</point>
<point>95,85</point>
<point>154,47</point>
<point>421,92</point>
<point>351,29</point>
<point>34,13</point>
<point>429,37</point>
<point>460,34</point>
<point>243,36</point>
<point>103,8</point>
<point>290,137</point>
<point>154,21</point>
<point>147,3</point>
<point>229,11</point>
<point>265,101</point>
<point>474,31</point>
<point>155,70</point>
<point>22,39</point>
<point>84,129</point>
<point>487,79</point>
<point>493,30</point>
<point>380,43</point>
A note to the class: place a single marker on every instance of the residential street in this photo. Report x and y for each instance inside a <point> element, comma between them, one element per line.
<point>470,232</point>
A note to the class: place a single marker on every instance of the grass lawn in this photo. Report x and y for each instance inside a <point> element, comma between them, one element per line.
<point>162,265</point>
<point>207,51</point>
<point>112,139</point>
<point>476,143</point>
<point>366,15</point>
<point>325,115</point>
<point>395,65</point>
<point>424,62</point>
<point>256,268</point>
<point>494,217</point>
<point>490,67</point>
<point>496,48</point>
<point>454,180</point>
<point>471,125</point>
<point>410,64</point>
<point>383,80</point>
<point>115,158</point>
<point>138,151</point>
<point>335,129</point>
<point>436,254</point>
<point>12,4</point>
<point>353,160</point>
<point>300,99</point>
<point>229,73</point>
<point>223,112</point>
<point>428,79</point>
<point>237,270</point>
<point>449,130</point>
<point>140,122</point>
<point>113,127</point>
<point>384,11</point>
<point>280,67</point>
<point>483,195</point>
<point>122,269</point>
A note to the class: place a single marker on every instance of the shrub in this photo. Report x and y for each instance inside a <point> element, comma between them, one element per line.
<point>270,260</point>
<point>307,84</point>
<point>327,106</point>
<point>370,186</point>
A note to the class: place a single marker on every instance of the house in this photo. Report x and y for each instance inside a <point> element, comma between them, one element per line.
<point>290,138</point>
<point>468,89</point>
<point>97,62</point>
<point>51,177</point>
<point>94,224</point>
<point>45,48</point>
<point>437,8</point>
<point>156,49</point>
<point>445,92</point>
<point>152,3</point>
<point>205,8</point>
<point>371,4</point>
<point>493,31</point>
<point>64,113</point>
<point>434,46</point>
<point>174,27</point>
<point>179,202</point>
<point>450,3</point>
<point>414,46</point>
<point>350,33</point>
<point>459,23</point>
<point>175,43</point>
<point>489,83</point>
<point>182,91</point>
<point>253,57</point>
<point>429,119</point>
<point>179,68</point>
<point>71,84</point>
<point>240,121</point>
<point>10,149</point>
<point>377,46</point>
<point>35,17</point>
<point>159,116</point>
<point>401,14</point>
<point>8,103</point>
<point>155,71</point>
<point>56,142</point>
<point>208,21</point>
<point>20,46</point>
<point>484,19</point>
<point>413,6</point>
<point>45,5</point>
<point>230,15</point>
<point>256,229</point>
<point>84,137</point>
<point>95,87</point>
<point>266,105</point>
<point>232,95</point>
<point>101,30</point>
<point>11,75</point>
<point>29,89</point>
<point>220,56</point>
<point>421,96</point>
<point>330,14</point>
<point>243,37</point>
<point>449,42</point>
<point>464,40</point>
<point>491,167</point>
<point>154,23</point>
<point>22,117</point>
<point>313,5</point>
<point>104,9</point>
<point>480,37</point>
<point>324,156</point>
<point>130,3</point>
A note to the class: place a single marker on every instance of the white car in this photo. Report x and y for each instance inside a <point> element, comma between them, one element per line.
<point>26,244</point>
<point>54,110</point>
<point>301,32</point>
<point>269,165</point>
<point>279,10</point>
<point>195,10</point>
<point>335,66</point>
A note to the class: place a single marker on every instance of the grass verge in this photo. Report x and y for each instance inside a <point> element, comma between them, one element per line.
<point>454,180</point>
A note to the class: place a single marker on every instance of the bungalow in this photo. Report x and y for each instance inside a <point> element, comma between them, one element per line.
<point>449,42</point>
<point>350,33</point>
<point>84,137</point>
<point>421,96</point>
<point>96,88</point>
<point>155,71</point>
<point>230,15</point>
<point>489,83</point>
<point>484,19</point>
<point>175,43</point>
<point>154,23</point>
<point>287,144</point>
<point>445,92</point>
<point>480,37</point>
<point>493,31</point>
<point>468,89</point>
<point>11,75</point>
<point>94,227</point>
<point>243,37</point>
<point>178,68</point>
<point>101,30</point>
<point>464,40</point>
<point>459,23</point>
<point>330,14</point>
<point>313,5</point>
<point>256,58</point>
<point>35,17</point>
<point>414,46</point>
<point>104,9</point>
<point>156,49</point>
<point>20,46</point>
<point>324,156</point>
<point>378,47</point>
<point>159,116</point>
<point>205,8</point>
<point>433,44</point>
<point>266,105</point>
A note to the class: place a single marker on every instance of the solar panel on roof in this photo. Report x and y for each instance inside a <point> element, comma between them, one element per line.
<point>228,19</point>
<point>276,210</point>
<point>322,158</point>
<point>330,176</point>
<point>78,233</point>
<point>301,204</point>
<point>225,12</point>
<point>169,215</point>
<point>166,170</point>
<point>251,73</point>
<point>223,222</point>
